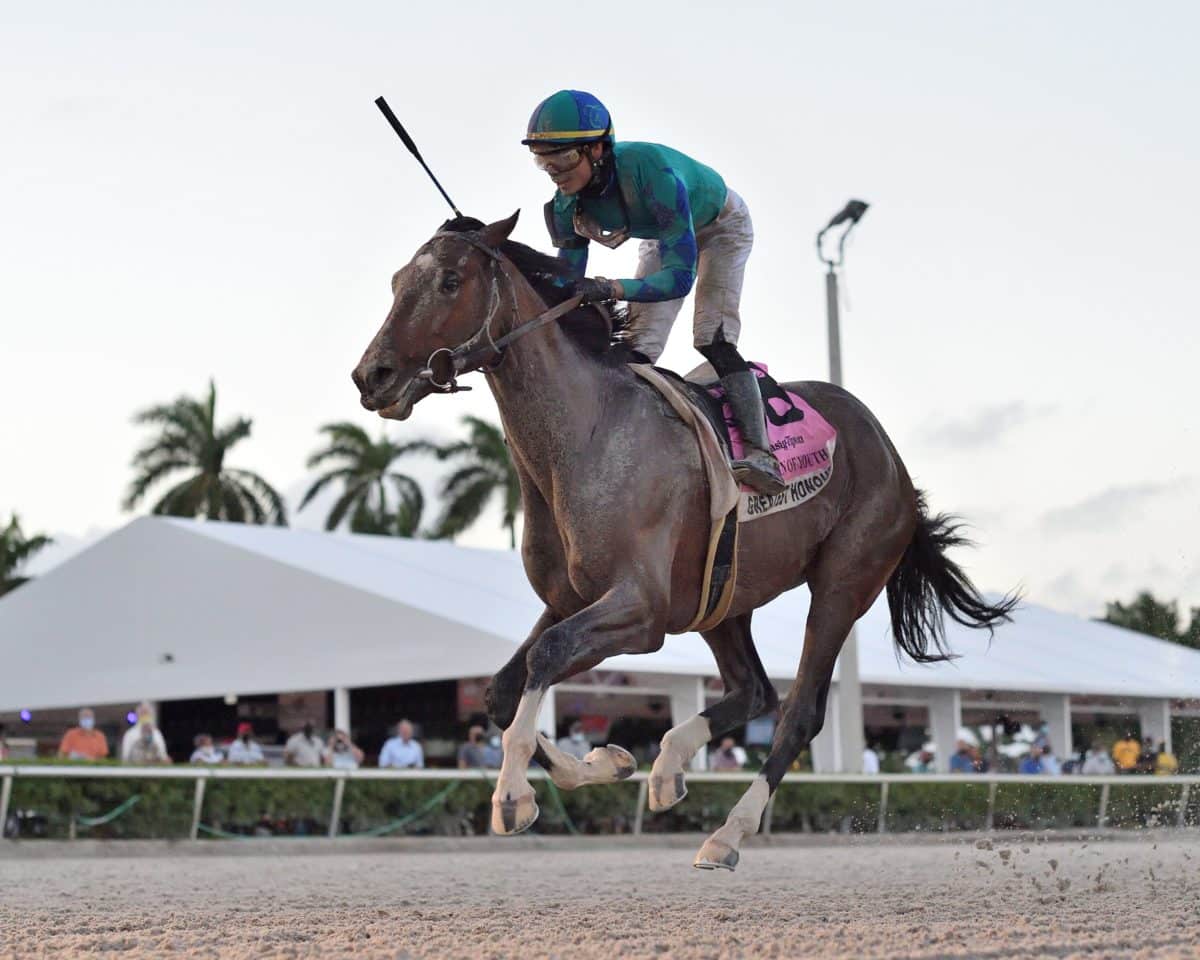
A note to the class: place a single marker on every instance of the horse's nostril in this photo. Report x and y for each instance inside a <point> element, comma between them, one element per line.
<point>380,377</point>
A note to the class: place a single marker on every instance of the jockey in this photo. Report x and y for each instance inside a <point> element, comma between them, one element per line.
<point>694,231</point>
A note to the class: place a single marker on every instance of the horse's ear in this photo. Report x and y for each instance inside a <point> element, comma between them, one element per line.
<point>496,233</point>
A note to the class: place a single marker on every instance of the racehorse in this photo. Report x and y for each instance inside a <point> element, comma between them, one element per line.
<point>617,521</point>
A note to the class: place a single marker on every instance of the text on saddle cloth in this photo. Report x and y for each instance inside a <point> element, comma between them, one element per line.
<point>801,439</point>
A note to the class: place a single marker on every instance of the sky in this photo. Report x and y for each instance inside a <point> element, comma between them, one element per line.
<point>207,190</point>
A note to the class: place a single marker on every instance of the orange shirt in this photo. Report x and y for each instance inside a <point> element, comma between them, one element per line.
<point>83,744</point>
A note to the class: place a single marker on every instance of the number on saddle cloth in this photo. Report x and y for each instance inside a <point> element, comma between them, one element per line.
<point>782,413</point>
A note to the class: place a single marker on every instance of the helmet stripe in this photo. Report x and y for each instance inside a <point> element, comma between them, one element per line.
<point>566,134</point>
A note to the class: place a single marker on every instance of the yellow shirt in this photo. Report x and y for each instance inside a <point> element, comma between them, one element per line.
<point>1125,754</point>
<point>1165,764</point>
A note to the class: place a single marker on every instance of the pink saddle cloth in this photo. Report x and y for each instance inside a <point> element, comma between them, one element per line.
<point>801,439</point>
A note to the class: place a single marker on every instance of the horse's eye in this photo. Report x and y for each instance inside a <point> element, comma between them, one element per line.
<point>450,283</point>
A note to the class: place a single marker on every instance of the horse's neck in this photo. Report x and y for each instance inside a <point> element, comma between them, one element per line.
<point>548,393</point>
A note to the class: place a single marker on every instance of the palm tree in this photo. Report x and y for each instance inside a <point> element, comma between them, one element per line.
<point>15,549</point>
<point>190,441</point>
<point>487,471</point>
<point>364,468</point>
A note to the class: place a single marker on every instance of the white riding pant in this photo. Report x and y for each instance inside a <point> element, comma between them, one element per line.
<point>724,247</point>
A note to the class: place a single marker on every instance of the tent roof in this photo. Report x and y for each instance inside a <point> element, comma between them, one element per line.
<point>169,609</point>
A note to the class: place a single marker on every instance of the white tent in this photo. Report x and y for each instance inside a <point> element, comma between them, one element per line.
<point>175,609</point>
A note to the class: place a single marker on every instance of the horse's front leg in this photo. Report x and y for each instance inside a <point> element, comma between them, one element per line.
<point>626,619</point>
<point>504,692</point>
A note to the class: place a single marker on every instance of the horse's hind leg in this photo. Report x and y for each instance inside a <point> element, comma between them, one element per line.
<point>748,694</point>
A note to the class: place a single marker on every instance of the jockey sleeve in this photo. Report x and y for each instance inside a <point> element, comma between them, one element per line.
<point>664,195</point>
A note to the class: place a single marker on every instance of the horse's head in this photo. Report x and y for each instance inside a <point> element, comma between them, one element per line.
<point>440,300</point>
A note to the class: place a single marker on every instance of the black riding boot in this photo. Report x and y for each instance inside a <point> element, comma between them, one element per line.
<point>758,468</point>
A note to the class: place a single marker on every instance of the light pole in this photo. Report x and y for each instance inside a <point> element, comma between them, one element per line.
<point>849,700</point>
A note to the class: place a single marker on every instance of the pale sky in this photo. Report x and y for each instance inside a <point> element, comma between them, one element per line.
<point>207,190</point>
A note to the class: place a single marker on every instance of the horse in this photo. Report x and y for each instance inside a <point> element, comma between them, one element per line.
<point>617,521</point>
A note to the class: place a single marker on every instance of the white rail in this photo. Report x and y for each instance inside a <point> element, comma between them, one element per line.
<point>201,775</point>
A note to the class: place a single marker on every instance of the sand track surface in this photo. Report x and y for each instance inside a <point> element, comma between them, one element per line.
<point>1001,899</point>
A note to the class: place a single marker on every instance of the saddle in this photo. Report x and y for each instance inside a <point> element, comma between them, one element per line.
<point>801,439</point>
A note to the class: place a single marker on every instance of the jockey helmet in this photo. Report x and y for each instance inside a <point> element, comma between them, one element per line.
<point>569,117</point>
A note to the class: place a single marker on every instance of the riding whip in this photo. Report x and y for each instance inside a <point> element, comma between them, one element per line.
<point>412,148</point>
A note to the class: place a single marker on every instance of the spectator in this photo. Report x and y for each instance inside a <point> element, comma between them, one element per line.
<point>145,716</point>
<point>962,760</point>
<point>1146,757</point>
<point>148,746</point>
<point>1165,764</point>
<point>245,750</point>
<point>923,762</point>
<point>870,761</point>
<point>84,742</point>
<point>493,753</point>
<point>728,756</point>
<point>1097,762</point>
<point>1049,761</point>
<point>1125,754</point>
<point>402,751</point>
<point>472,755</point>
<point>303,748</point>
<point>576,742</point>
<point>3,751</point>
<point>205,752</point>
<point>1031,763</point>
<point>341,754</point>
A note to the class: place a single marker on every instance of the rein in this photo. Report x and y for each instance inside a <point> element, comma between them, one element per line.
<point>483,351</point>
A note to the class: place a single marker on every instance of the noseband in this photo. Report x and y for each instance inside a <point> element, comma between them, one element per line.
<point>482,351</point>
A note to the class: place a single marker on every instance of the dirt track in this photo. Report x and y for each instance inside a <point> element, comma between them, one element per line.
<point>1017,899</point>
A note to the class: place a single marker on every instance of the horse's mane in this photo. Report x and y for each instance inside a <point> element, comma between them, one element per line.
<point>597,328</point>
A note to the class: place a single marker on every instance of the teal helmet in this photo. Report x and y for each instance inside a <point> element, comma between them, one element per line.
<point>569,117</point>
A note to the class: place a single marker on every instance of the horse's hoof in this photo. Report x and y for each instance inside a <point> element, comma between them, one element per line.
<point>665,792</point>
<point>610,763</point>
<point>513,815</point>
<point>715,855</point>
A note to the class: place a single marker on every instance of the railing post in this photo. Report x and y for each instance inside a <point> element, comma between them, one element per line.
<point>1102,816</point>
<point>5,796</point>
<point>339,788</point>
<point>643,790</point>
<point>1184,796</point>
<point>197,807</point>
<point>990,822</point>
<point>883,800</point>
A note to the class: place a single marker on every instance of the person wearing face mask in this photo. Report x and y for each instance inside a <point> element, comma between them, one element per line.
<point>303,748</point>
<point>695,231</point>
<point>245,750</point>
<point>575,742</point>
<point>135,734</point>
<point>148,747</point>
<point>84,742</point>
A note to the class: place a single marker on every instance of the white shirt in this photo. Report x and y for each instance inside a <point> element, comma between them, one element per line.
<point>1097,762</point>
<point>206,755</point>
<point>870,761</point>
<point>303,751</point>
<point>402,753</point>
<point>240,752</point>
<point>131,737</point>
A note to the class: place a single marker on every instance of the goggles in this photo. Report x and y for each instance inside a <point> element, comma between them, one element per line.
<point>560,161</point>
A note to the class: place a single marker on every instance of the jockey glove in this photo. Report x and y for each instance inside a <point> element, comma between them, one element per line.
<point>593,290</point>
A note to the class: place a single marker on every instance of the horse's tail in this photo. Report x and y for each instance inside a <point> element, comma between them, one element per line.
<point>927,584</point>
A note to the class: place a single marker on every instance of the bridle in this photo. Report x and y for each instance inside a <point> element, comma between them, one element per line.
<point>483,351</point>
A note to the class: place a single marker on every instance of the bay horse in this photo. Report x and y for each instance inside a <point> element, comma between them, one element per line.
<point>617,521</point>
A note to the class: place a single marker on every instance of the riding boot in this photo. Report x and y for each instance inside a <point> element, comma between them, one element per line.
<point>758,467</point>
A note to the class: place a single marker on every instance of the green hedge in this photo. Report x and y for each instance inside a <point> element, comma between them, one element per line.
<point>163,808</point>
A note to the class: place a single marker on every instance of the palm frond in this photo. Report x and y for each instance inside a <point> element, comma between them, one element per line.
<point>463,510</point>
<point>264,494</point>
